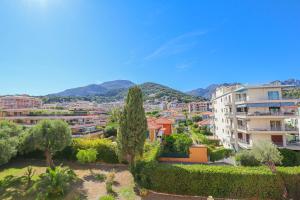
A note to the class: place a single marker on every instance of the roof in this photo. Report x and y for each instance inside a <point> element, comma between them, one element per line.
<point>157,123</point>
<point>204,123</point>
<point>152,124</point>
<point>163,121</point>
<point>207,113</point>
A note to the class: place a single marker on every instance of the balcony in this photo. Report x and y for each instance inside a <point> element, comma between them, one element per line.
<point>266,114</point>
<point>274,130</point>
<point>264,100</point>
<point>286,129</point>
<point>244,144</point>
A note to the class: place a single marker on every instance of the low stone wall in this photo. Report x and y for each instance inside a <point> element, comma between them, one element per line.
<point>198,154</point>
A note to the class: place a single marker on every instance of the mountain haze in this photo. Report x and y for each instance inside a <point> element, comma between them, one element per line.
<point>94,89</point>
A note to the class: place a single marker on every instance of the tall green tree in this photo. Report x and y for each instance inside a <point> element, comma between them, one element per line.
<point>133,127</point>
<point>49,136</point>
<point>9,139</point>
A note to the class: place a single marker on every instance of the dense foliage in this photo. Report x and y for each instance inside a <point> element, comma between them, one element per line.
<point>106,149</point>
<point>133,127</point>
<point>86,156</point>
<point>218,153</point>
<point>218,181</point>
<point>54,183</point>
<point>177,143</point>
<point>9,140</point>
<point>290,157</point>
<point>49,136</point>
<point>293,93</point>
<point>246,158</point>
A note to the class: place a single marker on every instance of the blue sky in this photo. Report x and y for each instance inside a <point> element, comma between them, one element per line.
<point>50,45</point>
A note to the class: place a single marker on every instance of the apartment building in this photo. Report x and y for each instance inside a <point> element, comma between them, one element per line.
<point>244,115</point>
<point>198,107</point>
<point>19,102</point>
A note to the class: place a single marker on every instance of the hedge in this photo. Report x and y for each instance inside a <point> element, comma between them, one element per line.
<point>218,153</point>
<point>218,181</point>
<point>290,157</point>
<point>106,150</point>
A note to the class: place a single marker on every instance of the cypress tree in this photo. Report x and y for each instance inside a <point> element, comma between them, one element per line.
<point>133,127</point>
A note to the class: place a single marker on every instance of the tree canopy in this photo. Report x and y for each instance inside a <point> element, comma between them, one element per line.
<point>133,126</point>
<point>9,140</point>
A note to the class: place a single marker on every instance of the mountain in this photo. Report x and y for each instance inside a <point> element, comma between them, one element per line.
<point>208,91</point>
<point>117,90</point>
<point>94,89</point>
<point>291,81</point>
<point>154,91</point>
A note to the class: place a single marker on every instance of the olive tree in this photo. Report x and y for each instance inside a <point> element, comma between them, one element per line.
<point>268,154</point>
<point>9,139</point>
<point>50,136</point>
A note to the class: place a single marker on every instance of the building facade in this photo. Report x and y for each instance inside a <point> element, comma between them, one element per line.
<point>244,115</point>
<point>19,102</point>
<point>198,107</point>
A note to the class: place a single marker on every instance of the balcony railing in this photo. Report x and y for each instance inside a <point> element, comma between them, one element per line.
<point>267,113</point>
<point>275,129</point>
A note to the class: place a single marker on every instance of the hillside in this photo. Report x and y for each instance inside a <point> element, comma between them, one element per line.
<point>208,91</point>
<point>154,91</point>
<point>116,91</point>
<point>93,90</point>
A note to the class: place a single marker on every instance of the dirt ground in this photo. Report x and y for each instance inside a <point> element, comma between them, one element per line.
<point>89,187</point>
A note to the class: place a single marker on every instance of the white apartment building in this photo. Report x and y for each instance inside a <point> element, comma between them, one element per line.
<point>247,114</point>
<point>198,107</point>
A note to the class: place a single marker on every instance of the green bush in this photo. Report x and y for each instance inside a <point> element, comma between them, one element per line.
<point>110,131</point>
<point>177,143</point>
<point>107,197</point>
<point>54,183</point>
<point>290,157</point>
<point>247,158</point>
<point>87,156</point>
<point>216,154</point>
<point>220,181</point>
<point>105,148</point>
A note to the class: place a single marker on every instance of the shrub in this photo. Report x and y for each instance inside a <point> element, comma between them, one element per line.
<point>110,178</point>
<point>290,157</point>
<point>216,154</point>
<point>54,183</point>
<point>110,131</point>
<point>105,148</point>
<point>177,143</point>
<point>127,193</point>
<point>100,177</point>
<point>107,197</point>
<point>246,158</point>
<point>220,181</point>
<point>87,156</point>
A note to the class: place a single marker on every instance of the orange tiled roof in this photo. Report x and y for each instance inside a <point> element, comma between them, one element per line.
<point>204,123</point>
<point>164,121</point>
<point>154,123</point>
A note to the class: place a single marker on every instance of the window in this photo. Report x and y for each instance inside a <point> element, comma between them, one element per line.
<point>273,95</point>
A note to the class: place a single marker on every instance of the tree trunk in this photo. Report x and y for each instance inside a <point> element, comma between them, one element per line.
<point>49,160</point>
<point>272,167</point>
<point>130,160</point>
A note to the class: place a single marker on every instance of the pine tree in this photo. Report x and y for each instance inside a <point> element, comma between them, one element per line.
<point>133,127</point>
